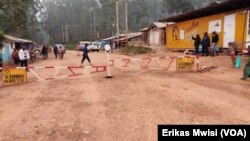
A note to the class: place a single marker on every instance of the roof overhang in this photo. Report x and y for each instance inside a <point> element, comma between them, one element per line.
<point>215,8</point>
<point>16,40</point>
<point>131,36</point>
<point>114,37</point>
<point>144,29</point>
<point>158,25</point>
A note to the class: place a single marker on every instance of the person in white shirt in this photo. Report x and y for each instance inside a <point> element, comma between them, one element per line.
<point>24,56</point>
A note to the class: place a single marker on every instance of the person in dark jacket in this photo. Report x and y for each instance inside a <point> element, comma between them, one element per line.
<point>197,42</point>
<point>55,50</point>
<point>85,54</point>
<point>215,40</point>
<point>205,44</point>
<point>45,52</point>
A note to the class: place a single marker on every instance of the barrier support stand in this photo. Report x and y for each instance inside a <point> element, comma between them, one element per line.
<point>198,62</point>
<point>108,75</point>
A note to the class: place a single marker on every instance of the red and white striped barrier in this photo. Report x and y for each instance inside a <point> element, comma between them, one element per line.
<point>71,69</point>
<point>44,73</point>
<point>144,63</point>
<point>55,72</point>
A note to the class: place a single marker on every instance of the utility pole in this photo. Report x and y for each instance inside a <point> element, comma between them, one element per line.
<point>117,20</point>
<point>62,34</point>
<point>126,19</point>
<point>66,32</point>
<point>126,15</point>
<point>94,25</point>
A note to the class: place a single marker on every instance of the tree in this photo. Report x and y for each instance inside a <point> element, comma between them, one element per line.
<point>173,7</point>
<point>81,13</point>
<point>1,37</point>
<point>15,14</point>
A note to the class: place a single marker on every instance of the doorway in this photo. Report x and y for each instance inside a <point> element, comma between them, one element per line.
<point>229,29</point>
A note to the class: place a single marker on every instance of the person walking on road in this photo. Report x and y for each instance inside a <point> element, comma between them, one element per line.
<point>45,52</point>
<point>55,50</point>
<point>85,54</point>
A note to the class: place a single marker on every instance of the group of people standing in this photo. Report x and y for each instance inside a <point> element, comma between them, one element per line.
<point>21,56</point>
<point>58,52</point>
<point>205,43</point>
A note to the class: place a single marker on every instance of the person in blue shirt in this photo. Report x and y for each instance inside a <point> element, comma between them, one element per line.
<point>205,44</point>
<point>85,54</point>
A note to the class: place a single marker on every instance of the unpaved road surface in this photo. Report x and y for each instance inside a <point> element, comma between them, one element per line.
<point>127,107</point>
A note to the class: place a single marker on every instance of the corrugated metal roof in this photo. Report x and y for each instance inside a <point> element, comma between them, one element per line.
<point>113,37</point>
<point>144,29</point>
<point>17,40</point>
<point>131,35</point>
<point>214,8</point>
<point>159,24</point>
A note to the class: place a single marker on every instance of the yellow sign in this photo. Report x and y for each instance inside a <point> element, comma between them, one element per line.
<point>185,64</point>
<point>14,76</point>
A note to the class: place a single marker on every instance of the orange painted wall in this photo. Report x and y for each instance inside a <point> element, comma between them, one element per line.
<point>201,25</point>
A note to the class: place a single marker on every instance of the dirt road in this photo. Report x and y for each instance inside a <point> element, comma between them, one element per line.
<point>125,108</point>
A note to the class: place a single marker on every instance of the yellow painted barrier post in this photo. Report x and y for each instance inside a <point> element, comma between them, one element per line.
<point>185,63</point>
<point>14,76</point>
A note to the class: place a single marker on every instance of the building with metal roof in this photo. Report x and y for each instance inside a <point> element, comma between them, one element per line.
<point>230,19</point>
<point>8,45</point>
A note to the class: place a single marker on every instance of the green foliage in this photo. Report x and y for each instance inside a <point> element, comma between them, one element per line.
<point>141,13</point>
<point>173,7</point>
<point>1,37</point>
<point>1,34</point>
<point>133,50</point>
<point>15,14</point>
<point>71,46</point>
<point>107,12</point>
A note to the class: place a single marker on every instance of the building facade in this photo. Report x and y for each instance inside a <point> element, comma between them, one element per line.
<point>155,34</point>
<point>230,19</point>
